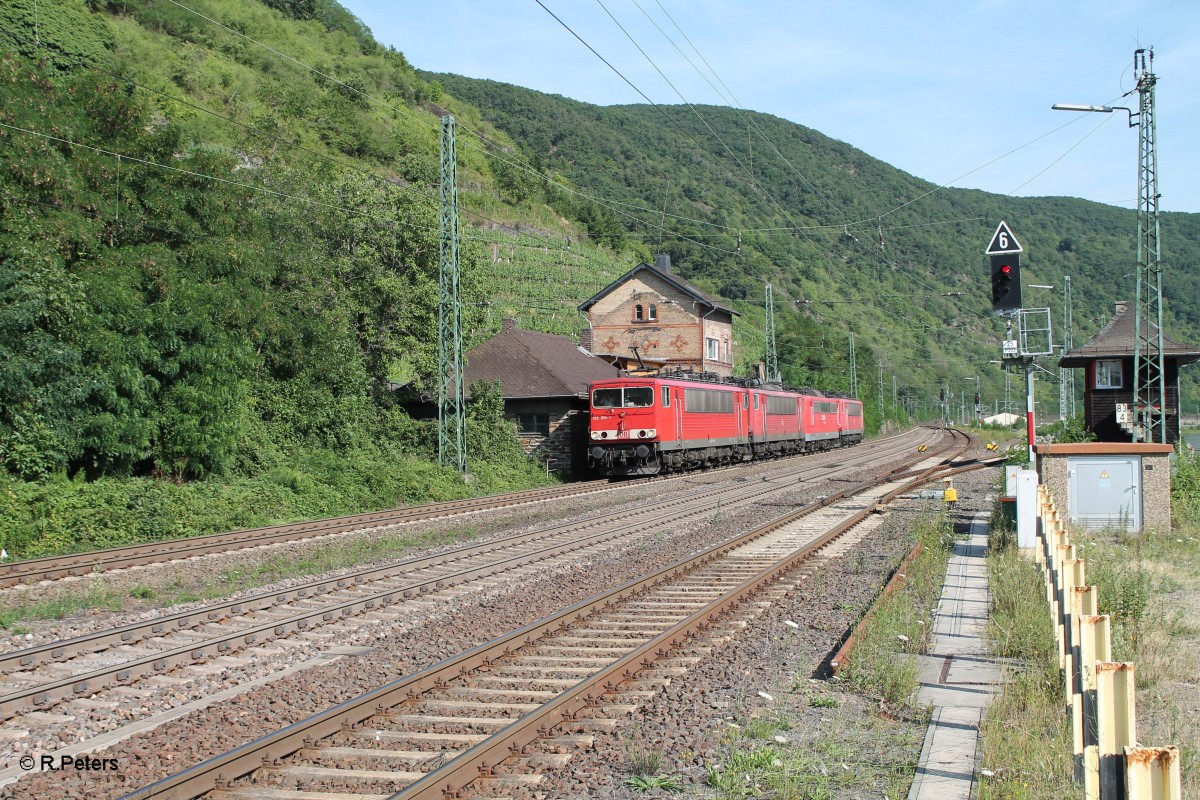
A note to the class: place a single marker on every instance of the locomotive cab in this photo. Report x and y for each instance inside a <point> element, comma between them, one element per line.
<point>624,429</point>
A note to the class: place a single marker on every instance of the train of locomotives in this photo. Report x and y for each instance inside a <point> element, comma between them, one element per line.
<point>646,425</point>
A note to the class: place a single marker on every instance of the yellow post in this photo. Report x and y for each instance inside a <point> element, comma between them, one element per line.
<point>1152,773</point>
<point>1086,599</point>
<point>1095,645</point>
<point>1062,611</point>
<point>1116,715</point>
<point>1068,618</point>
<point>1083,606</point>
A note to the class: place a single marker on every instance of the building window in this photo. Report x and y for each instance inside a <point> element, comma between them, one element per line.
<point>1108,375</point>
<point>653,311</point>
<point>533,424</point>
<point>637,313</point>
<point>712,349</point>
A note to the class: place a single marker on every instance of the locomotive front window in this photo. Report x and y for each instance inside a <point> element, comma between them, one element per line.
<point>606,398</point>
<point>639,396</point>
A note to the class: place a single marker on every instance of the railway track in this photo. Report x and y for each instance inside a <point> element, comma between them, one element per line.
<point>484,722</point>
<point>134,555</point>
<point>91,562</point>
<point>41,677</point>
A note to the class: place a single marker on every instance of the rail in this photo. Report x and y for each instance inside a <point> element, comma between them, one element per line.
<point>419,575</point>
<point>92,561</point>
<point>468,766</point>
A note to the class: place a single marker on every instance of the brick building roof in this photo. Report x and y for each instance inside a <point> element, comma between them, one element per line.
<point>1118,339</point>
<point>662,271</point>
<point>532,364</point>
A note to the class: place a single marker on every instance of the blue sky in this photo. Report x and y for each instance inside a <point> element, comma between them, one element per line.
<point>942,90</point>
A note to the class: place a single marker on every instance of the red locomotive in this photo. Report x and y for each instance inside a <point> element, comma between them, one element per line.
<point>643,425</point>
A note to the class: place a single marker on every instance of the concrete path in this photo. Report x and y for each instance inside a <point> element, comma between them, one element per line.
<point>958,678</point>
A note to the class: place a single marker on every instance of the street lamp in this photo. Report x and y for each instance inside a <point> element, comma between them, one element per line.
<point>1149,372</point>
<point>1097,109</point>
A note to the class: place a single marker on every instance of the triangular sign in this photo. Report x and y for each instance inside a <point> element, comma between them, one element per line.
<point>1003,241</point>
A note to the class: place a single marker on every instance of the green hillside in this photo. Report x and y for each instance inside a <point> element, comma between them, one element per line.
<point>219,245</point>
<point>861,245</point>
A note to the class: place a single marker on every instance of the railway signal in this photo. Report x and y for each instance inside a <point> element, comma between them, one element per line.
<point>1005,253</point>
<point>1006,282</point>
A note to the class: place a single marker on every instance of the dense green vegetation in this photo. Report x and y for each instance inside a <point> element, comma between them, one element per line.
<point>219,245</point>
<point>849,243</point>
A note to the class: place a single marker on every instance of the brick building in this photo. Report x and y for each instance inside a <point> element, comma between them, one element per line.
<point>544,382</point>
<point>650,316</point>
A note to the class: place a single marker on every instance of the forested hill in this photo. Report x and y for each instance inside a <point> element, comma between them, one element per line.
<point>219,238</point>
<point>829,222</point>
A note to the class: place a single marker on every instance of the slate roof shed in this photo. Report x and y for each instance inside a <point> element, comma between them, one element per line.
<point>529,364</point>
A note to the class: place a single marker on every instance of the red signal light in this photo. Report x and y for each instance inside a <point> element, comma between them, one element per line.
<point>1006,269</point>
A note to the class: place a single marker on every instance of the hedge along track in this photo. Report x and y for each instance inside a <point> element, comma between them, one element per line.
<point>40,677</point>
<point>134,555</point>
<point>481,723</point>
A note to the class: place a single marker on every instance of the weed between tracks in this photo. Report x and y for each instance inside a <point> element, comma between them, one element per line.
<point>871,745</point>
<point>256,572</point>
<point>883,662</point>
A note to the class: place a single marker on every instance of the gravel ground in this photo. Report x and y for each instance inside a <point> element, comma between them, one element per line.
<point>689,720</point>
<point>422,636</point>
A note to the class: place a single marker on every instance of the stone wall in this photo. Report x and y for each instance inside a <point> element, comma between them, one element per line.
<point>556,450</point>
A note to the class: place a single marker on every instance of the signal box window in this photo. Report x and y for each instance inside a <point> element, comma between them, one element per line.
<point>533,424</point>
<point>653,312</point>
<point>637,313</point>
<point>712,349</point>
<point>1109,375</point>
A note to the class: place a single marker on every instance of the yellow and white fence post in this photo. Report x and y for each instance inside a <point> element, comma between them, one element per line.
<point>1099,693</point>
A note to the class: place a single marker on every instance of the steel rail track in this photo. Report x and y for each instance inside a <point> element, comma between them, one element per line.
<point>470,562</point>
<point>92,561</point>
<point>133,555</point>
<point>463,768</point>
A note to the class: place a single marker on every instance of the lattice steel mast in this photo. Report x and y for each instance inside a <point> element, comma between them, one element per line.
<point>773,374</point>
<point>451,405</point>
<point>1148,369</point>
<point>1066,375</point>
<point>853,370</point>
